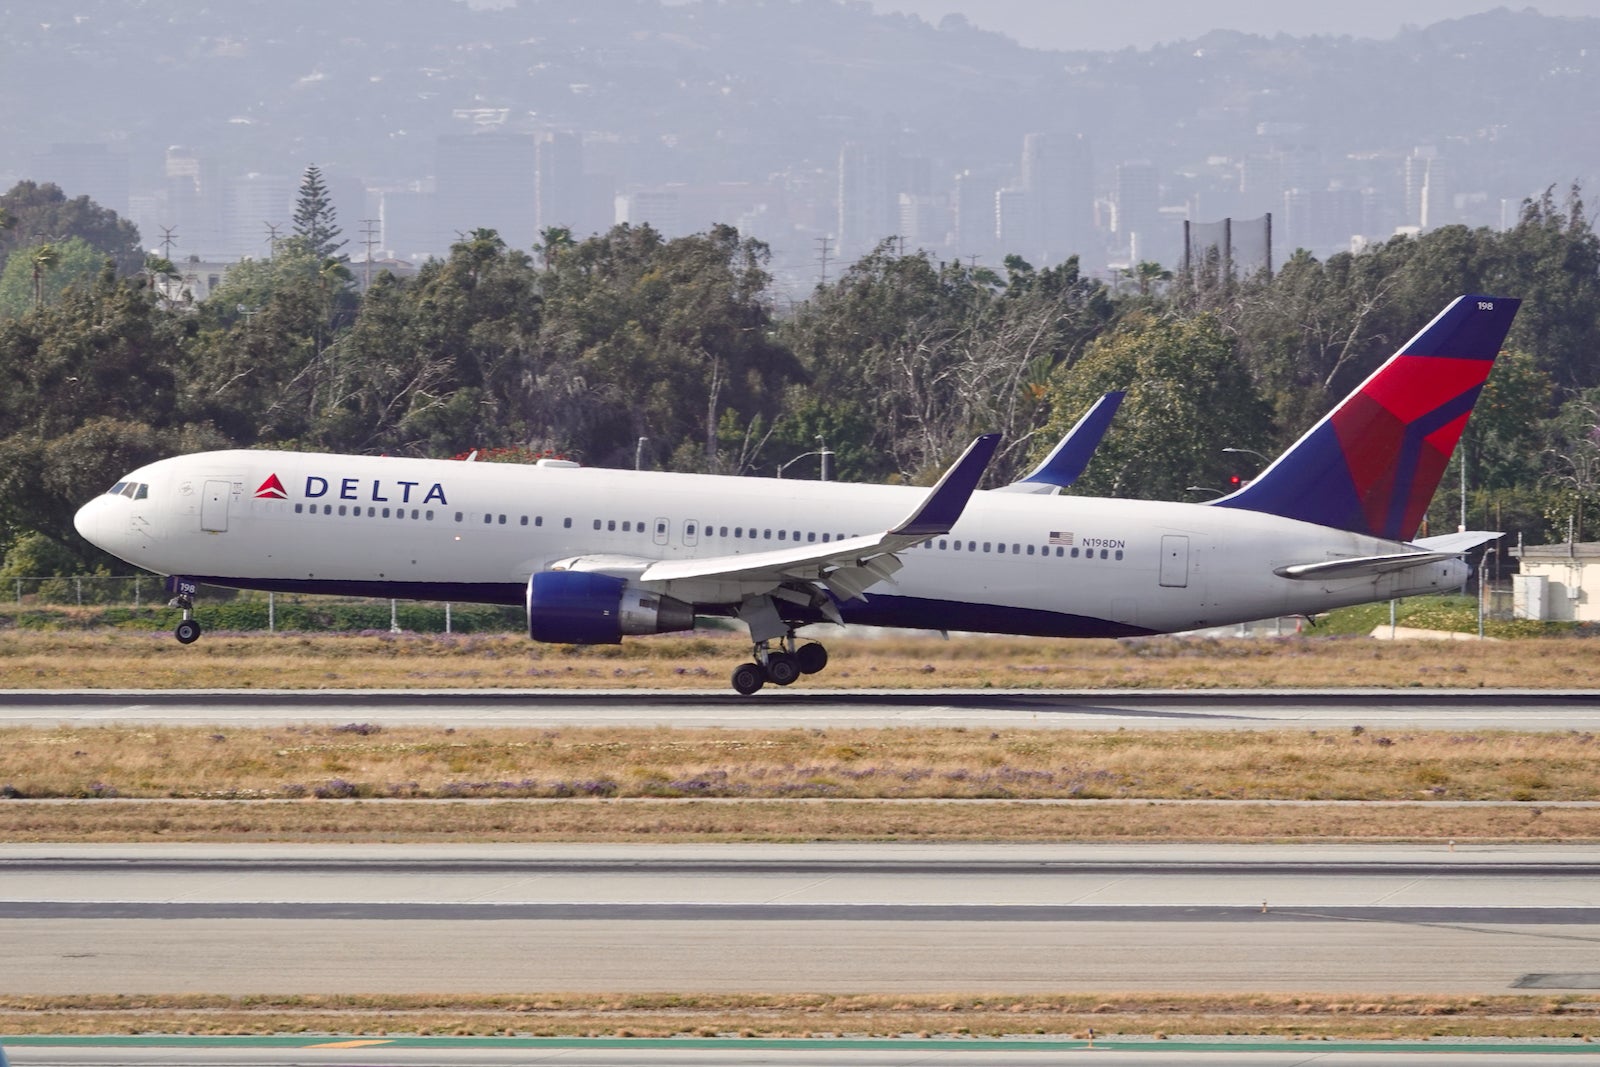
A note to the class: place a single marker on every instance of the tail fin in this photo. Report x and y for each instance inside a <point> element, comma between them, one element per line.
<point>1371,465</point>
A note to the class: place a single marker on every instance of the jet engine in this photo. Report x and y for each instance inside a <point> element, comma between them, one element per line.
<point>584,608</point>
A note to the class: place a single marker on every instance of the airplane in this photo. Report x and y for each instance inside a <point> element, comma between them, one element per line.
<point>594,555</point>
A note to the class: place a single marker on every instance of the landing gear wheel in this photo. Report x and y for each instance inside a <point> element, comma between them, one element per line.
<point>748,678</point>
<point>188,632</point>
<point>782,669</point>
<point>811,658</point>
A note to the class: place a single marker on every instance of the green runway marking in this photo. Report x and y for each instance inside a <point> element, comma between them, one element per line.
<point>781,1044</point>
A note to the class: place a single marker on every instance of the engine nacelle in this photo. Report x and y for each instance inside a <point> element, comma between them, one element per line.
<point>584,608</point>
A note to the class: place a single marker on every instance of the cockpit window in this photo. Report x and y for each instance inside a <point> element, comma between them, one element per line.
<point>129,489</point>
<point>116,490</point>
<point>142,493</point>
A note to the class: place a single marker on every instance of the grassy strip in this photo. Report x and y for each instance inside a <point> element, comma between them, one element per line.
<point>1307,1017</point>
<point>361,760</point>
<point>669,821</point>
<point>113,659</point>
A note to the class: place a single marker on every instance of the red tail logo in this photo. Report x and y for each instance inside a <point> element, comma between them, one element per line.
<point>272,489</point>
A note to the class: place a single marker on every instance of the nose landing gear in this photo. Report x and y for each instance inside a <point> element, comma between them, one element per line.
<point>188,631</point>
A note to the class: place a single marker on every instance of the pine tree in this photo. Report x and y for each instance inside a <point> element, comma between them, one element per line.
<point>315,221</point>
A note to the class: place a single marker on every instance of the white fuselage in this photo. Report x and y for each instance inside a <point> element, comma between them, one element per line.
<point>434,529</point>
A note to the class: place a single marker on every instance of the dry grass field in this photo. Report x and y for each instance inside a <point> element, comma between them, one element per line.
<point>1307,1017</point>
<point>133,659</point>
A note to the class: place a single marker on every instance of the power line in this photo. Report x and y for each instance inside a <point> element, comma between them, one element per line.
<point>369,237</point>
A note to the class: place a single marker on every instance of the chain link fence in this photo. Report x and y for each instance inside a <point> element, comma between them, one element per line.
<point>117,599</point>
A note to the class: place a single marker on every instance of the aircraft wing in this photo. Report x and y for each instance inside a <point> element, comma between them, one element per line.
<point>846,567</point>
<point>1066,461</point>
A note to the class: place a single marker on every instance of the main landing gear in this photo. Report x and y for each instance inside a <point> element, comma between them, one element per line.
<point>782,665</point>
<point>188,631</point>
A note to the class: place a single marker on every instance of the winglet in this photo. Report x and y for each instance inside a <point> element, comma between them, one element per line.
<point>1066,461</point>
<point>948,499</point>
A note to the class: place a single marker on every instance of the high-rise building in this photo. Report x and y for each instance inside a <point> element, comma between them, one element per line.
<point>1058,178</point>
<point>868,201</point>
<point>487,181</point>
<point>1138,209</point>
<point>92,170</point>
<point>254,206</point>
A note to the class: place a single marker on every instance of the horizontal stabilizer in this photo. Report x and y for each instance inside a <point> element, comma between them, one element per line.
<point>1361,566</point>
<point>1465,541</point>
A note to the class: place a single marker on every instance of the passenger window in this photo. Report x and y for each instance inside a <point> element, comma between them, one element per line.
<point>811,536</point>
<point>429,516</point>
<point>1030,550</point>
<point>1001,548</point>
<point>327,509</point>
<point>1059,552</point>
<point>1074,553</point>
<point>957,544</point>
<point>566,524</point>
<point>766,535</point>
<point>782,534</point>
<point>458,516</point>
<point>825,537</point>
<point>611,526</point>
<point>298,508</point>
<point>341,509</point>
<point>943,545</point>
<point>688,531</point>
<point>386,513</point>
<point>538,520</point>
<point>738,531</point>
<point>661,528</point>
<point>487,519</point>
<point>1119,553</point>
<point>524,521</point>
<point>986,546</point>
<point>722,531</point>
<point>1105,554</point>
<point>597,524</point>
<point>972,546</point>
<point>502,520</point>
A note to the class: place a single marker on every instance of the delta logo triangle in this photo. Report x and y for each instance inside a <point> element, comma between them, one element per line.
<point>272,489</point>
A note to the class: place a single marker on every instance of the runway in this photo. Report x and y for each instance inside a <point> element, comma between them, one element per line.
<point>775,919</point>
<point>798,708</point>
<point>514,1052</point>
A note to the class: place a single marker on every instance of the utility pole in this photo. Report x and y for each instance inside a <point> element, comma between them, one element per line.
<point>822,243</point>
<point>369,237</point>
<point>169,237</point>
<point>272,239</point>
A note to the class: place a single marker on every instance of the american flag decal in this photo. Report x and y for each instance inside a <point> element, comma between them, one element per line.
<point>1061,537</point>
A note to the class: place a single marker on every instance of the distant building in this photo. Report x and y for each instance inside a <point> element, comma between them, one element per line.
<point>868,199</point>
<point>1138,209</point>
<point>93,170</point>
<point>253,207</point>
<point>486,181</point>
<point>195,281</point>
<point>1558,583</point>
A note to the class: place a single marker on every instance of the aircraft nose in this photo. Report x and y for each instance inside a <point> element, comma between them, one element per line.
<point>90,522</point>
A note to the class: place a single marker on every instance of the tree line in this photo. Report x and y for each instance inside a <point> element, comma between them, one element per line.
<point>628,347</point>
